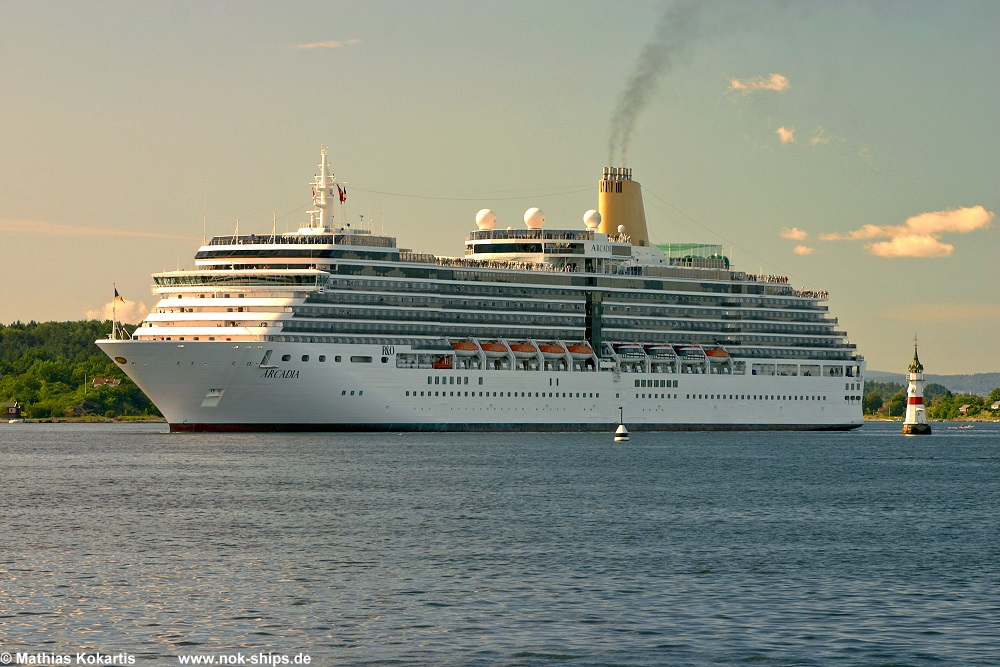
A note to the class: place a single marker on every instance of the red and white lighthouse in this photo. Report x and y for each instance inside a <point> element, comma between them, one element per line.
<point>915,422</point>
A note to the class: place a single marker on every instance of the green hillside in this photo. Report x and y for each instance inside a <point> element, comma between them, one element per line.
<point>49,368</point>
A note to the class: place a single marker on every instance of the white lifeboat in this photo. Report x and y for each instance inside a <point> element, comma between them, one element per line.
<point>690,352</point>
<point>662,351</point>
<point>629,350</point>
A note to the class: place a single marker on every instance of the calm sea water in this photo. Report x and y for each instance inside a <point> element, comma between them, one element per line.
<point>864,548</point>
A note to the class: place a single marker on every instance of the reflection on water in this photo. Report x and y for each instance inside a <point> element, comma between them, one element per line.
<point>676,548</point>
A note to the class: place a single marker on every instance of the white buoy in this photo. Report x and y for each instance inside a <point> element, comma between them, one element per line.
<point>621,434</point>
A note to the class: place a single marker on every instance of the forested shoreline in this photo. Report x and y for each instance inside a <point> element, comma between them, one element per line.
<point>49,369</point>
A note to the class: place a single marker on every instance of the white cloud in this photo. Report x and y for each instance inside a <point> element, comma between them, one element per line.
<point>131,312</point>
<point>54,229</point>
<point>794,234</point>
<point>331,44</point>
<point>803,250</point>
<point>865,232</point>
<point>775,82</point>
<point>911,245</point>
<point>920,235</point>
<point>786,134</point>
<point>819,138</point>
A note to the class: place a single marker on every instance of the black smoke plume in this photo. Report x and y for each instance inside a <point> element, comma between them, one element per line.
<point>670,42</point>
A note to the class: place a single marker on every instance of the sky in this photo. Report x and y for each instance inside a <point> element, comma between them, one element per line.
<point>852,146</point>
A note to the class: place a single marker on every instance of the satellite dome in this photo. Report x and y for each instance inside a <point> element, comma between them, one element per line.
<point>485,219</point>
<point>534,218</point>
<point>621,229</point>
<point>592,219</point>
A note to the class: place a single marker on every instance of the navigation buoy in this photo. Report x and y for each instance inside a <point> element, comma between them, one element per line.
<point>915,422</point>
<point>621,434</point>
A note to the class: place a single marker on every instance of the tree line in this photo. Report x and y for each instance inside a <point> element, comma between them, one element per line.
<point>49,368</point>
<point>889,398</point>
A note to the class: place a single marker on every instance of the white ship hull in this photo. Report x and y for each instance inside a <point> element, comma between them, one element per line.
<point>223,386</point>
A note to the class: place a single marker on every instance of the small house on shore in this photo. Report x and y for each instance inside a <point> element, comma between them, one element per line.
<point>11,410</point>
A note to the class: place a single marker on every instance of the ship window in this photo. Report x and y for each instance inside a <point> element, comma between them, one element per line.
<point>480,380</point>
<point>343,393</point>
<point>322,358</point>
<point>361,392</point>
<point>286,357</point>
<point>451,380</point>
<point>437,380</point>
<point>466,381</point>
<point>428,379</point>
<point>385,360</point>
<point>305,357</point>
<point>599,395</point>
<point>358,359</point>
<point>337,358</point>
<point>352,392</point>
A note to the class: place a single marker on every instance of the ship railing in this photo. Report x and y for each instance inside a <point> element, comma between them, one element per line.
<point>502,264</point>
<point>530,235</point>
<point>294,238</point>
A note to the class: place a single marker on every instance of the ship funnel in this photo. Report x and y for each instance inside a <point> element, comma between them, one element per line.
<point>620,205</point>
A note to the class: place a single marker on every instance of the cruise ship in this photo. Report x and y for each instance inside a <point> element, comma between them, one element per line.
<point>534,328</point>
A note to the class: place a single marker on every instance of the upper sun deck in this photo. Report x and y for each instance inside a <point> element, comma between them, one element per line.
<point>346,238</point>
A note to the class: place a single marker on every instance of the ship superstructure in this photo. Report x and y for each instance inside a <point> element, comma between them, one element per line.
<point>536,328</point>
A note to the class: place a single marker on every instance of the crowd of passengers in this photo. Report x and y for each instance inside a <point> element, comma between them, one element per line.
<point>754,278</point>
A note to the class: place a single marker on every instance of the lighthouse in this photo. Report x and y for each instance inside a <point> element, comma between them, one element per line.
<point>915,422</point>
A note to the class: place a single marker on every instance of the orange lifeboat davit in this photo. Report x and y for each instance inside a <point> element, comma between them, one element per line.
<point>494,350</point>
<point>465,348</point>
<point>523,350</point>
<point>552,350</point>
<point>580,351</point>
